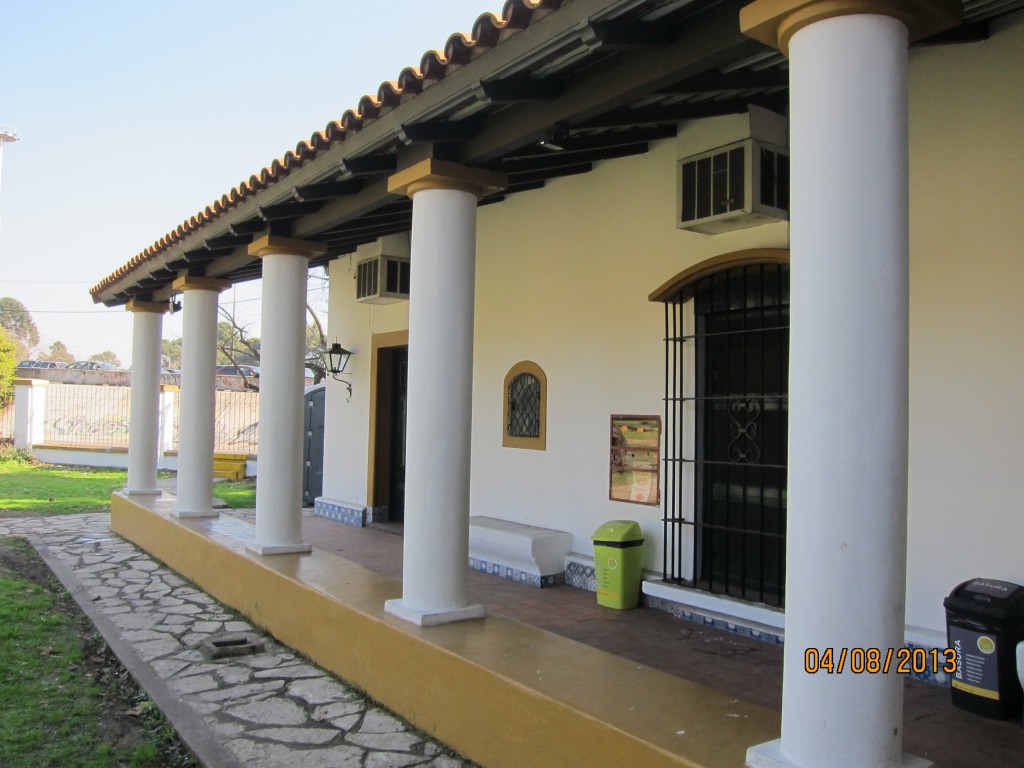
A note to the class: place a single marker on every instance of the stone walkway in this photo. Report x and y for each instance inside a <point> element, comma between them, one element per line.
<point>266,710</point>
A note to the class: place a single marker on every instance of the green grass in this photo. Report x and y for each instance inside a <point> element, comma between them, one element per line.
<point>28,489</point>
<point>44,489</point>
<point>239,494</point>
<point>51,707</point>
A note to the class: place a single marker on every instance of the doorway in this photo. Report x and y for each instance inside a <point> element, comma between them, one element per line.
<point>726,417</point>
<point>391,374</point>
<point>742,362</point>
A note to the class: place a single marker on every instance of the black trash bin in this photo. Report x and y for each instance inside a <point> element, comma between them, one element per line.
<point>984,624</point>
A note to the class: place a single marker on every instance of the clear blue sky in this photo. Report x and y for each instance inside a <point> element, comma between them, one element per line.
<point>133,116</point>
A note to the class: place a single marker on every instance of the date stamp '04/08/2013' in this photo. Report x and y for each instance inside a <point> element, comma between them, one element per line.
<point>903,661</point>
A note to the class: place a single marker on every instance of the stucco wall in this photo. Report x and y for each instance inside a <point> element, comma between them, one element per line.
<point>563,276</point>
<point>353,324</point>
<point>966,289</point>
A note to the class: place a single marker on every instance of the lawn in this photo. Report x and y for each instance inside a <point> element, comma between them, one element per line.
<point>30,489</point>
<point>239,494</point>
<point>64,700</point>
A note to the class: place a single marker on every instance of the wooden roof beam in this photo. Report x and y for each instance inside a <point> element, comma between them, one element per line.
<point>677,112</point>
<point>714,82</point>
<point>711,40</point>
<point>516,89</point>
<point>621,35</point>
<point>370,164</point>
<point>327,190</point>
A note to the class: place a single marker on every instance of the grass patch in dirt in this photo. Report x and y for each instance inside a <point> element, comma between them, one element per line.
<point>65,700</point>
<point>35,489</point>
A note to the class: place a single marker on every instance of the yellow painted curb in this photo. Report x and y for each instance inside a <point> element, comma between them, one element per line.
<point>502,693</point>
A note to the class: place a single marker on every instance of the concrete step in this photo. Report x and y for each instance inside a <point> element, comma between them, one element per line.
<point>230,456</point>
<point>231,470</point>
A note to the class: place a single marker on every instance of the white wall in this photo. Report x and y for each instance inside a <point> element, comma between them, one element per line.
<point>563,276</point>
<point>347,436</point>
<point>966,347</point>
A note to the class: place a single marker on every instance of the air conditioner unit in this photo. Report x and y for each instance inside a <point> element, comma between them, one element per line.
<point>382,280</point>
<point>740,185</point>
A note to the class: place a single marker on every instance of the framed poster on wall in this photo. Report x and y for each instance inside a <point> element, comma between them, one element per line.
<point>635,458</point>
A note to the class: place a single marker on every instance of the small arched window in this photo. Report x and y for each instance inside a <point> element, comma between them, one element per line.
<point>524,422</point>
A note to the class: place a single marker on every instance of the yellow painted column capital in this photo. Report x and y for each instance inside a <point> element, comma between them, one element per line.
<point>196,283</point>
<point>442,174</point>
<point>158,307</point>
<point>269,245</point>
<point>774,22</point>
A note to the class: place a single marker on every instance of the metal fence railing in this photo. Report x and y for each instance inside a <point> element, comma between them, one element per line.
<point>81,414</point>
<point>98,416</point>
<point>236,422</point>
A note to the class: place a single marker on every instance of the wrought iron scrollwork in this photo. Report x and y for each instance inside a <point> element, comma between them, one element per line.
<point>744,418</point>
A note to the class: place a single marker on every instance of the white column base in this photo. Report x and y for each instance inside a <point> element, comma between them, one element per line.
<point>279,549</point>
<point>191,515</point>
<point>433,618</point>
<point>154,492</point>
<point>769,755</point>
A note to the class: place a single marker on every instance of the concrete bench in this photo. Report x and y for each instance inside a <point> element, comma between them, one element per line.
<point>524,553</point>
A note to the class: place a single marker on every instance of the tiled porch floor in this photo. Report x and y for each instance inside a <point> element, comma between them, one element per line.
<point>730,663</point>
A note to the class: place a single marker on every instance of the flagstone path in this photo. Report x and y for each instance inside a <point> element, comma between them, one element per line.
<point>268,710</point>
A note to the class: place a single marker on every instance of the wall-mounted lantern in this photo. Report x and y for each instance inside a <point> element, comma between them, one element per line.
<point>335,361</point>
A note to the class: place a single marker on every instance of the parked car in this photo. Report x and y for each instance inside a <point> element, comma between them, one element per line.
<point>38,364</point>
<point>250,371</point>
<point>92,365</point>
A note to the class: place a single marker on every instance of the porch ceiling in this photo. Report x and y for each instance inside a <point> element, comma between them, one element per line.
<point>546,91</point>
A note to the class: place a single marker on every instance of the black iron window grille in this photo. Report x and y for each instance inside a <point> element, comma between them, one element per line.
<point>726,433</point>
<point>524,406</point>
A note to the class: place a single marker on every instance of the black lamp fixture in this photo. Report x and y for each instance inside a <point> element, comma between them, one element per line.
<point>335,360</point>
<point>175,305</point>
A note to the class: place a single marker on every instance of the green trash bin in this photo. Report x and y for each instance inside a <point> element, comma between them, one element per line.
<point>618,556</point>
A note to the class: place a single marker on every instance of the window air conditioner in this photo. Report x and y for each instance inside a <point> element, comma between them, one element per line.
<point>382,280</point>
<point>740,185</point>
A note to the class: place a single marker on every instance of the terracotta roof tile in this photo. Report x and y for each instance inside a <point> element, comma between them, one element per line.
<point>487,32</point>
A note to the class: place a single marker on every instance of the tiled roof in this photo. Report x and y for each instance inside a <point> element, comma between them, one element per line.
<point>487,32</point>
<point>591,51</point>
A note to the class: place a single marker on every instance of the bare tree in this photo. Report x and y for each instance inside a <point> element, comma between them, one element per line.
<point>316,344</point>
<point>237,347</point>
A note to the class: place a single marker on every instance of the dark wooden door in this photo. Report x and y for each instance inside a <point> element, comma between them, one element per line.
<point>396,464</point>
<point>313,446</point>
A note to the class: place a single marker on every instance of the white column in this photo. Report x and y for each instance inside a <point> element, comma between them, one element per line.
<point>849,294</point>
<point>436,544</point>
<point>282,362</point>
<point>29,412</point>
<point>144,421</point>
<point>196,422</point>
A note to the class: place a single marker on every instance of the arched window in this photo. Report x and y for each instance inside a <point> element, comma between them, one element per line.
<point>524,423</point>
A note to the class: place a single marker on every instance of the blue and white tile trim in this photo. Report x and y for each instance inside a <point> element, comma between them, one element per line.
<point>342,513</point>
<point>514,574</point>
<point>580,575</point>
<point>933,677</point>
<point>681,612</point>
